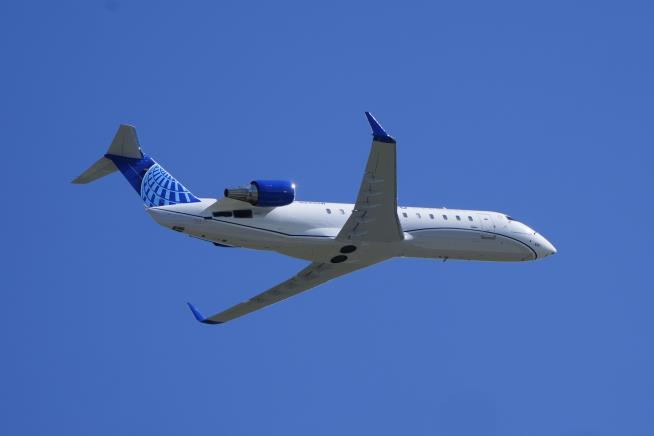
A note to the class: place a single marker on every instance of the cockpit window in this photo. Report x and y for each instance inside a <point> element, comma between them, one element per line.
<point>509,218</point>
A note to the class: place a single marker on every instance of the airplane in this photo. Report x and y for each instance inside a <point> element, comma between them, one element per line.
<point>337,238</point>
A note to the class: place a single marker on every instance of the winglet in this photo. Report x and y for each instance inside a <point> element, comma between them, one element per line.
<point>378,132</point>
<point>199,316</point>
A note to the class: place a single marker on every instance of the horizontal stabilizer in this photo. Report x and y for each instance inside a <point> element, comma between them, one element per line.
<point>102,167</point>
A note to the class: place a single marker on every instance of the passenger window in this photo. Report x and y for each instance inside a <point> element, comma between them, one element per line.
<point>342,211</point>
<point>445,217</point>
<point>328,210</point>
<point>431,215</point>
<point>245,213</point>
<point>458,218</point>
<point>418,215</point>
<point>224,213</point>
<point>404,215</point>
<point>469,218</point>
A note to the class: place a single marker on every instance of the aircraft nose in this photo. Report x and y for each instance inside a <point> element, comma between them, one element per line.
<point>547,247</point>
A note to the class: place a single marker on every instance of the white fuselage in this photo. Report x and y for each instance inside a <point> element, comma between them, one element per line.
<point>307,230</point>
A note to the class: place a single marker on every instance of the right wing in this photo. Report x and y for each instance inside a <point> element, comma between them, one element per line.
<point>310,277</point>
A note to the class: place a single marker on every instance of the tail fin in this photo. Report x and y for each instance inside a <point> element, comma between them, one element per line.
<point>125,143</point>
<point>154,184</point>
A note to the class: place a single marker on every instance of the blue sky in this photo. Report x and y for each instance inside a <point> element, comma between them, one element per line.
<point>541,111</point>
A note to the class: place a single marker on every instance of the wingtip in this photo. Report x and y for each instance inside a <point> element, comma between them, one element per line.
<point>378,131</point>
<point>198,315</point>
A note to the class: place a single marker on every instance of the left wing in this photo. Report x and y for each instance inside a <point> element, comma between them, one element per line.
<point>310,277</point>
<point>374,218</point>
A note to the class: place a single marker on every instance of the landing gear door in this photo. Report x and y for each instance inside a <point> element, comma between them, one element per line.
<point>487,225</point>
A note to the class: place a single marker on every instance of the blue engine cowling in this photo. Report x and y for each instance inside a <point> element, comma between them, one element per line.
<point>274,192</point>
<point>265,193</point>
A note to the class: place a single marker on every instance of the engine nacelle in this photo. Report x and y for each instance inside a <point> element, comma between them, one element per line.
<point>264,193</point>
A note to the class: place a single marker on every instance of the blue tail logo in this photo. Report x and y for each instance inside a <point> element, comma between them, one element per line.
<point>154,184</point>
<point>159,188</point>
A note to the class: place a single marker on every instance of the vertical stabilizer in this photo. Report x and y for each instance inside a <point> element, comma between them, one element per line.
<point>126,143</point>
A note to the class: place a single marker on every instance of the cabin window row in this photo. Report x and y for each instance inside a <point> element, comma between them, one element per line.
<point>431,216</point>
<point>329,211</point>
<point>247,213</point>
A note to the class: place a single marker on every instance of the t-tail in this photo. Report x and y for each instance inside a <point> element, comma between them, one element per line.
<point>154,184</point>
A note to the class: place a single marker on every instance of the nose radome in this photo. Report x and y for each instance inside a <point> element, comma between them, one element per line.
<point>548,247</point>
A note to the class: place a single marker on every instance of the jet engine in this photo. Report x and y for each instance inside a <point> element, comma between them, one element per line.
<point>264,193</point>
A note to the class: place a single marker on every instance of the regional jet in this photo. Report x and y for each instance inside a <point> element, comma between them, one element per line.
<point>336,238</point>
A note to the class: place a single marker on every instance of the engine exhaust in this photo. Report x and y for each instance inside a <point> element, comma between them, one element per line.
<point>247,194</point>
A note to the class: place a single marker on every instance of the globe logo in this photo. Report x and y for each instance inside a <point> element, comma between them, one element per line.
<point>159,188</point>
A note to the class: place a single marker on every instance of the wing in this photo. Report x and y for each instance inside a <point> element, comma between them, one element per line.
<point>374,218</point>
<point>310,277</point>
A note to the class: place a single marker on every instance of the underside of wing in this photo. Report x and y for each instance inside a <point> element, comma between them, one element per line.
<point>374,218</point>
<point>310,277</point>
